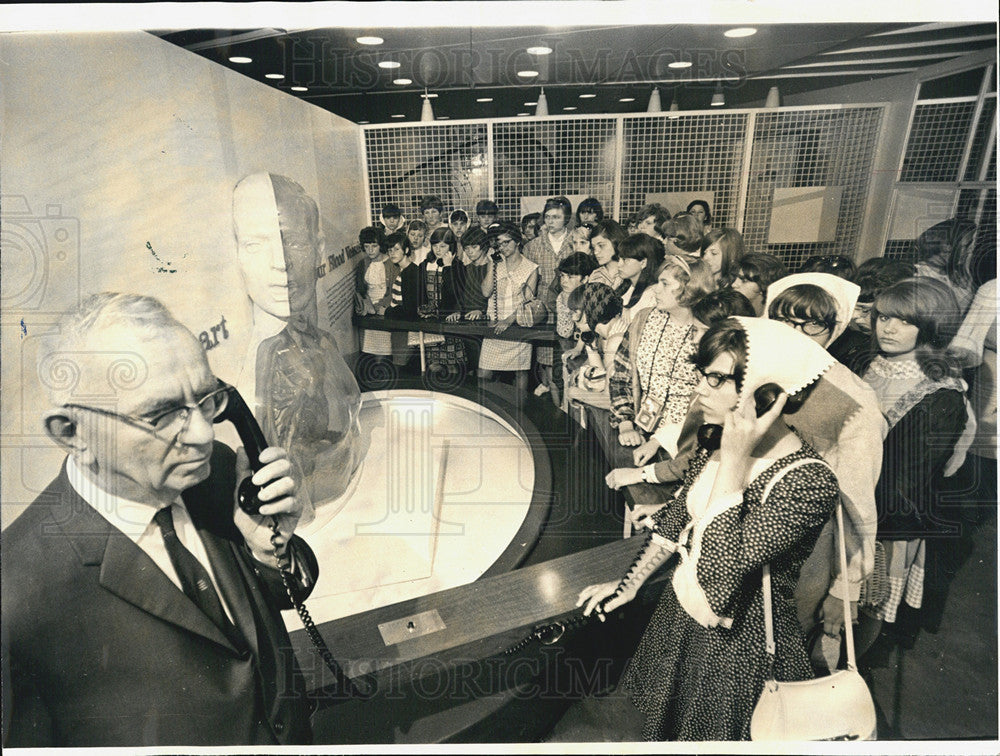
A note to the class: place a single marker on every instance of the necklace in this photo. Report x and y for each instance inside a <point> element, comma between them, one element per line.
<point>656,350</point>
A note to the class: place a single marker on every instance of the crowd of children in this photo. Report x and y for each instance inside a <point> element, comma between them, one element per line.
<point>629,304</point>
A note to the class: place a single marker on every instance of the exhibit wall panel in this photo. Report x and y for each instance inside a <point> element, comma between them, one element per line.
<point>121,178</point>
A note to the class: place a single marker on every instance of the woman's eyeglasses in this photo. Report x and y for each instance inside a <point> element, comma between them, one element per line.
<point>808,327</point>
<point>716,379</point>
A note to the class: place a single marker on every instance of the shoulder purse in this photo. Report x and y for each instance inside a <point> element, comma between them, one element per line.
<point>836,707</point>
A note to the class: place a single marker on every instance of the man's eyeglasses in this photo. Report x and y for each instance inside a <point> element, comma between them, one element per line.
<point>808,327</point>
<point>169,423</point>
<point>716,379</point>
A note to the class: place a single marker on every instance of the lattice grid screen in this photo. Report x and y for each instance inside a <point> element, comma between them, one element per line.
<point>987,219</point>
<point>979,153</point>
<point>697,153</point>
<point>689,154</point>
<point>938,136</point>
<point>811,148</point>
<point>449,161</point>
<point>553,157</point>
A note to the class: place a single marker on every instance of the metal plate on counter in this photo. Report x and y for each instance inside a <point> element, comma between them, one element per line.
<point>414,626</point>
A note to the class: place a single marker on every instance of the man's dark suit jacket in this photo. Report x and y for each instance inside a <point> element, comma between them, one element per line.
<point>101,648</point>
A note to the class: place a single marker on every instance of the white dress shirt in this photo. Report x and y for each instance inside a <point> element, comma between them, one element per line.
<point>135,520</point>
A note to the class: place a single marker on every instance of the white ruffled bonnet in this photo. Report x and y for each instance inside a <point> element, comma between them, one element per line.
<point>844,293</point>
<point>778,353</point>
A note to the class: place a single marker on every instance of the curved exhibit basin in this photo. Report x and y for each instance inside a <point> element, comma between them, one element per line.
<point>446,493</point>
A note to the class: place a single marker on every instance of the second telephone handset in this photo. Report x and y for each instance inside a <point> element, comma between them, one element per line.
<point>710,435</point>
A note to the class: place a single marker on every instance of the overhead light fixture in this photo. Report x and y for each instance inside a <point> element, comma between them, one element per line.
<point>718,99</point>
<point>539,50</point>
<point>773,98</point>
<point>443,118</point>
<point>484,99</point>
<point>363,122</point>
<point>626,99</point>
<point>741,31</point>
<point>588,96</point>
<point>426,111</point>
<point>432,95</point>
<point>369,40</point>
<point>398,115</point>
<point>402,82</point>
<point>679,64</point>
<point>240,59</point>
<point>542,106</point>
<point>527,74</point>
<point>523,114</point>
<point>570,107</point>
<point>530,104</point>
<point>388,64</point>
<point>274,76</point>
<point>300,89</point>
<point>654,102</point>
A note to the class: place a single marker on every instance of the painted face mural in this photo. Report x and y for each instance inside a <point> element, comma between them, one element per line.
<point>305,396</point>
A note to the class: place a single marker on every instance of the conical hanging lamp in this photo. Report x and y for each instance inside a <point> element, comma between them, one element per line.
<point>542,108</point>
<point>654,102</point>
<point>426,111</point>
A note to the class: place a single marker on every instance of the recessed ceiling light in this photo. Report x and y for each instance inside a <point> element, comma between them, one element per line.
<point>369,40</point>
<point>274,76</point>
<point>388,64</point>
<point>484,99</point>
<point>530,104</point>
<point>679,64</point>
<point>527,74</point>
<point>398,115</point>
<point>587,96</point>
<point>540,50</point>
<point>402,82</point>
<point>364,121</point>
<point>443,118</point>
<point>522,114</point>
<point>240,59</point>
<point>570,107</point>
<point>300,89</point>
<point>741,31</point>
<point>626,99</point>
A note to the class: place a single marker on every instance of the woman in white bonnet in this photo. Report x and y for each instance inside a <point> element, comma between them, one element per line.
<point>761,498</point>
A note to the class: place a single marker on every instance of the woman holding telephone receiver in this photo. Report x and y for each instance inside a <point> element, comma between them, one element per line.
<point>760,496</point>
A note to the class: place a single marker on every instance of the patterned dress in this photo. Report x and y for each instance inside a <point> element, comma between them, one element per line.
<point>439,291</point>
<point>376,342</point>
<point>657,366</point>
<point>540,250</point>
<point>500,354</point>
<point>699,679</point>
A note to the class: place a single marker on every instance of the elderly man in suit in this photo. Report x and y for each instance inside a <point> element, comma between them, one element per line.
<point>140,604</point>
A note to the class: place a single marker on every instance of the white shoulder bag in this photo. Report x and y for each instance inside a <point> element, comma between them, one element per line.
<point>836,707</point>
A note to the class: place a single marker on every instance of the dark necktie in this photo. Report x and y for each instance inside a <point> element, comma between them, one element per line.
<point>195,580</point>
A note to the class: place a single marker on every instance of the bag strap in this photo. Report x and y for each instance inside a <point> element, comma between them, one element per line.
<point>848,628</point>
<point>765,582</point>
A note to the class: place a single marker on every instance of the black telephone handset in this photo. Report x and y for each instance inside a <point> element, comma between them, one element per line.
<point>710,435</point>
<point>238,413</point>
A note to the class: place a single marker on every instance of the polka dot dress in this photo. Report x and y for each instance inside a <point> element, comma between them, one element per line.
<point>698,683</point>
